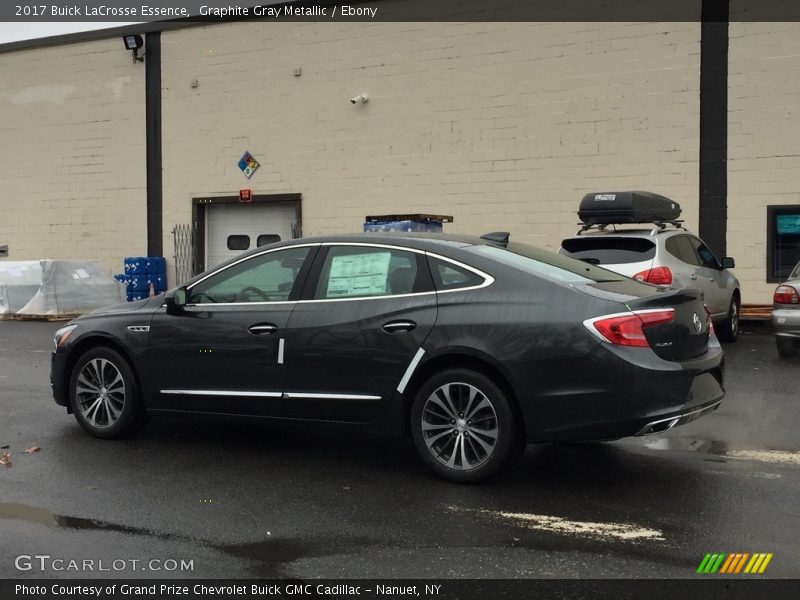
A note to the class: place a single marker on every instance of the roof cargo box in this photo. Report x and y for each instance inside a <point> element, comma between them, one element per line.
<point>627,207</point>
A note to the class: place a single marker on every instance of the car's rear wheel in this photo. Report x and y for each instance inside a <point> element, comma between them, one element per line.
<point>463,426</point>
<point>787,347</point>
<point>103,394</point>
<point>728,330</point>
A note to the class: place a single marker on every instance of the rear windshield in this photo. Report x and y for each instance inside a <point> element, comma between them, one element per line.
<point>546,264</point>
<point>609,250</point>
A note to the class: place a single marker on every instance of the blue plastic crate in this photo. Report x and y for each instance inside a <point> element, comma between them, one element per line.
<point>156,265</point>
<point>137,283</point>
<point>133,296</point>
<point>408,225</point>
<point>135,265</point>
<point>159,283</point>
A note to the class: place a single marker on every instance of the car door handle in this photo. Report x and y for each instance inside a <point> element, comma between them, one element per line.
<point>399,326</point>
<point>263,329</point>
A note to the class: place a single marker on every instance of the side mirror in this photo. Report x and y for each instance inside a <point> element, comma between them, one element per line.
<point>176,300</point>
<point>728,263</point>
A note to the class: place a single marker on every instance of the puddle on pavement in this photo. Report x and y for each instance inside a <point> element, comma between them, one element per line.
<point>32,514</point>
<point>721,451</point>
<point>269,554</point>
<point>713,447</point>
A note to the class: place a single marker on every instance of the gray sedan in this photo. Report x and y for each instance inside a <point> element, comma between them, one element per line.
<point>786,314</point>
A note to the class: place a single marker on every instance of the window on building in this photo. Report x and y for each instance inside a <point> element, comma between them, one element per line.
<point>783,241</point>
<point>238,242</point>
<point>267,238</point>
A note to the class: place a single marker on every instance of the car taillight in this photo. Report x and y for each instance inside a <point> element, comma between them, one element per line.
<point>785,294</point>
<point>627,329</point>
<point>656,276</point>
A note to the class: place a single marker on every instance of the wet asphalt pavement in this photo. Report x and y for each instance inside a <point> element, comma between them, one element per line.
<point>249,500</point>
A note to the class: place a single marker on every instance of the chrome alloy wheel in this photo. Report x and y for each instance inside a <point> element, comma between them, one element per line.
<point>459,426</point>
<point>100,393</point>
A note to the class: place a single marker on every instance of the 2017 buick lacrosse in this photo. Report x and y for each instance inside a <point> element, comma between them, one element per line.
<point>474,345</point>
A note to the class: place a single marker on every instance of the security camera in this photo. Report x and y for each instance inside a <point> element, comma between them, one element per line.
<point>362,98</point>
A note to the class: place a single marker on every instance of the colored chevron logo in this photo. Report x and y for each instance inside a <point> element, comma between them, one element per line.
<point>734,563</point>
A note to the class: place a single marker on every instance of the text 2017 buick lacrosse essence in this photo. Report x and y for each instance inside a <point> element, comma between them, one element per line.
<point>476,346</point>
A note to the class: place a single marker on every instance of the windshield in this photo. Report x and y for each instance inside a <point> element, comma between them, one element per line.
<point>547,264</point>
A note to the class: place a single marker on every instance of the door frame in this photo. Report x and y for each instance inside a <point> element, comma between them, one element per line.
<point>199,217</point>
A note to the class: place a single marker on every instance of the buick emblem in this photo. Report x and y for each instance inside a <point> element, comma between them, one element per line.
<point>698,325</point>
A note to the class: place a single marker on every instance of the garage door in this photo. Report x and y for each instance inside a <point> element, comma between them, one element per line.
<point>233,228</point>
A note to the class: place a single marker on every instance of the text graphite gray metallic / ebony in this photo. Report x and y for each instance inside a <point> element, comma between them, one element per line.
<point>471,345</point>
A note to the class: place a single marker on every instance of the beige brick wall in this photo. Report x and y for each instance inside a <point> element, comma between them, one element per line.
<point>72,157</point>
<point>503,125</point>
<point>763,141</point>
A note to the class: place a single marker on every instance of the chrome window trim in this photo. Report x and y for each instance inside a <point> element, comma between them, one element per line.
<point>487,279</point>
<point>249,257</point>
<point>375,245</point>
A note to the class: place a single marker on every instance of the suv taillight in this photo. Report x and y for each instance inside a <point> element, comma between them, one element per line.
<point>785,294</point>
<point>627,329</point>
<point>656,276</point>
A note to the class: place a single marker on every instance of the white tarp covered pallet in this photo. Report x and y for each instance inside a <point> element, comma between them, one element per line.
<point>55,288</point>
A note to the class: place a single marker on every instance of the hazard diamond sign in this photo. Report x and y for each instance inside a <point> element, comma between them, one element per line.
<point>248,164</point>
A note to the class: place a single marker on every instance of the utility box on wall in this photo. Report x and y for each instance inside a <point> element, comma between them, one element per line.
<point>406,222</point>
<point>3,251</point>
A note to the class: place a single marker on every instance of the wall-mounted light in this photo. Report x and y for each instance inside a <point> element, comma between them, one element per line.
<point>360,99</point>
<point>133,42</point>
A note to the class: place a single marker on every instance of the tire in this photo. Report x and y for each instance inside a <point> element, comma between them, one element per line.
<point>104,395</point>
<point>455,446</point>
<point>728,330</point>
<point>787,347</point>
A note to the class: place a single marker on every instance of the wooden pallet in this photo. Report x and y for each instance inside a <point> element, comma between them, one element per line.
<point>756,312</point>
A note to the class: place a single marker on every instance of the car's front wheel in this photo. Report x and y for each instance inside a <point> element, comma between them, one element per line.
<point>728,330</point>
<point>463,425</point>
<point>103,394</point>
<point>787,347</point>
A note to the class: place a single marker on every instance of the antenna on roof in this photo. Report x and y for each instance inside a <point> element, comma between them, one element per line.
<point>498,237</point>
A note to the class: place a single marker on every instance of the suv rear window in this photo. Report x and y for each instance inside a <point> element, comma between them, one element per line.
<point>608,250</point>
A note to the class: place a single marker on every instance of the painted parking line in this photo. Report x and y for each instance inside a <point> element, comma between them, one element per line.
<point>768,456</point>
<point>615,531</point>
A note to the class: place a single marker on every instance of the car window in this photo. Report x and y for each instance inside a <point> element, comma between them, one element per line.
<point>546,264</point>
<point>447,276</point>
<point>265,278</point>
<point>707,257</point>
<point>359,271</point>
<point>609,250</point>
<point>681,248</point>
